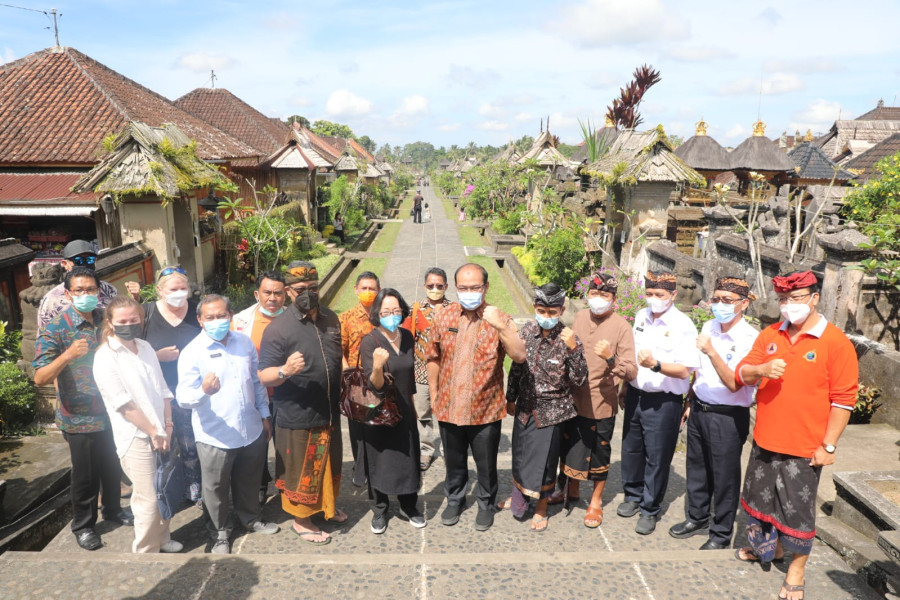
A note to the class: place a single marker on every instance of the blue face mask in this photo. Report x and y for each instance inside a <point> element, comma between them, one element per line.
<point>470,300</point>
<point>85,303</point>
<point>391,323</point>
<point>270,314</point>
<point>217,329</point>
<point>724,313</point>
<point>546,322</point>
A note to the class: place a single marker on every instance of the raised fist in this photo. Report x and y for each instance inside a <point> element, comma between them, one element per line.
<point>492,316</point>
<point>78,349</point>
<point>210,384</point>
<point>295,363</point>
<point>379,358</point>
<point>568,338</point>
<point>645,359</point>
<point>603,349</point>
<point>774,369</point>
<point>704,344</point>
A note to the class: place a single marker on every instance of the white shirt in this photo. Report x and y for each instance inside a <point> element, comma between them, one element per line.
<point>732,347</point>
<point>673,339</point>
<point>122,377</point>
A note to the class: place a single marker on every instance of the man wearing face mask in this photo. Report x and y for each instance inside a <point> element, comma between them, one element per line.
<point>64,353</point>
<point>355,324</point>
<point>609,350</point>
<point>808,375</point>
<point>666,344</point>
<point>419,323</point>
<point>252,322</point>
<point>300,358</point>
<point>218,381</point>
<point>469,341</point>
<point>719,418</point>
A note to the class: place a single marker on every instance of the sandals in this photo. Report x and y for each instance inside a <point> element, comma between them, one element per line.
<point>539,524</point>
<point>504,504</point>
<point>339,517</point>
<point>787,587</point>
<point>559,496</point>
<point>593,517</point>
<point>307,536</point>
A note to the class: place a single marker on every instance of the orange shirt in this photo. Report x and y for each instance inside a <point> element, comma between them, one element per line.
<point>470,383</point>
<point>355,325</point>
<point>792,412</point>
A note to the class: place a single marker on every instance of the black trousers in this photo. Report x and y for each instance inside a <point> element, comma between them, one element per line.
<point>417,214</point>
<point>381,502</point>
<point>714,445</point>
<point>95,466</point>
<point>484,441</point>
<point>649,435</point>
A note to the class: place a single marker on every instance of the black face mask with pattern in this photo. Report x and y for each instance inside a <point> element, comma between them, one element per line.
<point>128,332</point>
<point>307,300</point>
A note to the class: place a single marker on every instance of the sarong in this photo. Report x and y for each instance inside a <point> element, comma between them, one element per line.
<point>535,454</point>
<point>304,460</point>
<point>780,498</point>
<point>586,449</point>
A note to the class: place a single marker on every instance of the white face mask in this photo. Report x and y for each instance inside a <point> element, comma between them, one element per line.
<point>177,299</point>
<point>796,314</point>
<point>658,305</point>
<point>599,306</point>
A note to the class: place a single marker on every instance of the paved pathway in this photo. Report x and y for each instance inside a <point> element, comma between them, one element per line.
<point>508,561</point>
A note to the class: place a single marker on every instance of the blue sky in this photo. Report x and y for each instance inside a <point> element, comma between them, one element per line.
<point>461,71</point>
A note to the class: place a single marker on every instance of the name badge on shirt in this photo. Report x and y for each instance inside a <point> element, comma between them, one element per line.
<point>216,355</point>
<point>552,361</point>
<point>453,329</point>
<point>641,329</point>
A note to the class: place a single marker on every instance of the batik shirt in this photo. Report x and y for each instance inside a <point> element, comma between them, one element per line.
<point>542,385</point>
<point>424,318</point>
<point>55,301</point>
<point>81,408</point>
<point>355,325</point>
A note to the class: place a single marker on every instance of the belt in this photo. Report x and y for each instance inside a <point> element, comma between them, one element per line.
<point>726,409</point>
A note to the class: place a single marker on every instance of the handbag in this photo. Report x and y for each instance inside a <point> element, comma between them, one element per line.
<point>412,212</point>
<point>362,404</point>
<point>169,482</point>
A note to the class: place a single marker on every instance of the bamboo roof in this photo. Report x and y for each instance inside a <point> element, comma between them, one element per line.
<point>147,160</point>
<point>759,153</point>
<point>545,152</point>
<point>643,156</point>
<point>703,152</point>
<point>510,154</point>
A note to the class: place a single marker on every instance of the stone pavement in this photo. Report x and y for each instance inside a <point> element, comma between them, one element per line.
<point>508,561</point>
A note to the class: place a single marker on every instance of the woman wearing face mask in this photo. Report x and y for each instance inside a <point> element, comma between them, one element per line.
<point>539,396</point>
<point>389,456</point>
<point>137,400</point>
<point>170,324</point>
<point>609,351</point>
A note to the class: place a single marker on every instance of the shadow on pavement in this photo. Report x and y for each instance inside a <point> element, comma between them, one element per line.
<point>203,577</point>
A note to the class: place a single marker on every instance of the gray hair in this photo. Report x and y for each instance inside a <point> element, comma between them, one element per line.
<point>209,299</point>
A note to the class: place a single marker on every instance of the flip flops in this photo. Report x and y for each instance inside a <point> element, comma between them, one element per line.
<point>787,587</point>
<point>539,524</point>
<point>307,536</point>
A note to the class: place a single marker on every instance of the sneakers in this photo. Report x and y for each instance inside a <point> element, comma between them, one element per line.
<point>628,509</point>
<point>450,516</point>
<point>379,524</point>
<point>484,519</point>
<point>263,527</point>
<point>415,518</point>
<point>171,547</point>
<point>645,525</point>
<point>221,547</point>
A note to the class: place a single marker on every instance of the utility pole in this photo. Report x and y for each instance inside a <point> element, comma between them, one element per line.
<point>212,78</point>
<point>55,27</point>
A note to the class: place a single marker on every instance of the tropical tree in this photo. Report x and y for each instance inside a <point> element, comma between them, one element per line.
<point>623,111</point>
<point>322,127</point>
<point>297,119</point>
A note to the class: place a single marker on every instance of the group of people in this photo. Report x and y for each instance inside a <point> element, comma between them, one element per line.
<point>135,380</point>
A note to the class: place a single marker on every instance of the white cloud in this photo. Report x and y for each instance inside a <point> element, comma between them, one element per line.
<point>202,62</point>
<point>283,21</point>
<point>342,103</point>
<point>698,53</point>
<point>300,101</point>
<point>558,122</point>
<point>7,56</point>
<point>771,15</point>
<point>524,116</point>
<point>735,131</point>
<point>469,77</point>
<point>777,83</point>
<point>818,116</point>
<point>411,110</point>
<point>493,126</point>
<point>449,127</point>
<point>491,111</point>
<point>802,65</point>
<point>349,68</point>
<point>601,23</point>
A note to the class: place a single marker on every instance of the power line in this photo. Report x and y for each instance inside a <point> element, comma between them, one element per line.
<point>52,15</point>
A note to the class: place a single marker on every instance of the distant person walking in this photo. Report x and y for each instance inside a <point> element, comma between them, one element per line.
<point>417,207</point>
<point>338,224</point>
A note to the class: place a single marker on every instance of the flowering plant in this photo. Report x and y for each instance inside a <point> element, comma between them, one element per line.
<point>630,296</point>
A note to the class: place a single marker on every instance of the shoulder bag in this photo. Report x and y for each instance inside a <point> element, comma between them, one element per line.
<point>362,404</point>
<point>169,482</point>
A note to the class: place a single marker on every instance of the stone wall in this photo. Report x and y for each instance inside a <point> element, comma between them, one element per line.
<point>878,366</point>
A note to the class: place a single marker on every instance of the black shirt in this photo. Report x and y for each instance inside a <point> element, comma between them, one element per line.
<point>160,334</point>
<point>310,398</point>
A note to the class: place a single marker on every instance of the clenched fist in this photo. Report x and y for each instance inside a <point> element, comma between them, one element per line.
<point>774,369</point>
<point>379,358</point>
<point>704,344</point>
<point>133,288</point>
<point>295,363</point>
<point>568,338</point>
<point>210,384</point>
<point>167,354</point>
<point>493,318</point>
<point>78,349</point>
<point>603,349</point>
<point>645,359</point>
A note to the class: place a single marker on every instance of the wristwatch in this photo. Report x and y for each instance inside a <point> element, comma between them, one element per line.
<point>611,361</point>
<point>829,448</point>
<point>657,367</point>
<point>281,374</point>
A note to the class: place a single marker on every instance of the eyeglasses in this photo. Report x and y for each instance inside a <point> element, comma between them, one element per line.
<point>83,261</point>
<point>92,291</point>
<point>717,299</point>
<point>390,313</point>
<point>471,288</point>
<point>170,270</point>
<point>435,286</point>
<point>794,299</point>
<point>306,288</point>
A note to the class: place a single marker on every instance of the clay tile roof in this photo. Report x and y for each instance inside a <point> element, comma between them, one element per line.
<point>229,113</point>
<point>881,113</point>
<point>864,164</point>
<point>57,106</point>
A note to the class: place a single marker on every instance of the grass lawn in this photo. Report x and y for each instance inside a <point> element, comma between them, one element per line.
<point>452,212</point>
<point>324,264</point>
<point>497,293</point>
<point>406,206</point>
<point>469,236</point>
<point>386,238</point>
<point>346,299</point>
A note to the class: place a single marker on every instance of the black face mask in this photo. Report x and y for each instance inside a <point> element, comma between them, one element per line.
<point>128,332</point>
<point>307,300</point>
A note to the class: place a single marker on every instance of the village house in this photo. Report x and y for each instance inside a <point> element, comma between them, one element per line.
<point>850,138</point>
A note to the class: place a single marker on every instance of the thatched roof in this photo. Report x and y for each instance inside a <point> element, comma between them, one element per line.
<point>510,154</point>
<point>545,152</point>
<point>703,152</point>
<point>145,160</point>
<point>759,153</point>
<point>642,156</point>
<point>813,164</point>
<point>348,162</point>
